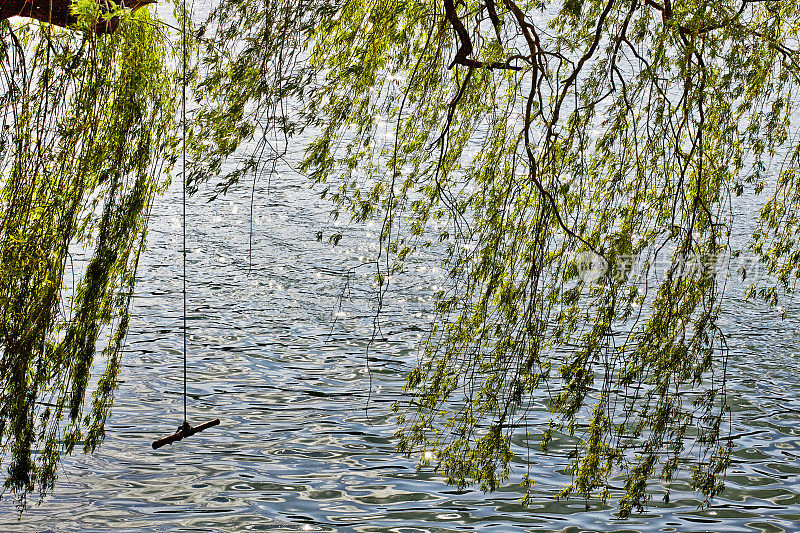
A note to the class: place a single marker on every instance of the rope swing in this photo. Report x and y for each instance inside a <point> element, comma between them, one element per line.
<point>185,429</point>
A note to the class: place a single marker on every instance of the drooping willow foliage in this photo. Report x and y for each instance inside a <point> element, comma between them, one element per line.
<point>87,135</point>
<point>578,164</point>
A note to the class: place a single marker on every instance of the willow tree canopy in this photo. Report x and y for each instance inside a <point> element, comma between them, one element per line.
<point>577,165</point>
<point>86,137</point>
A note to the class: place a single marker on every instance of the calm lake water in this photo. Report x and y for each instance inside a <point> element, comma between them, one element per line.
<point>277,352</point>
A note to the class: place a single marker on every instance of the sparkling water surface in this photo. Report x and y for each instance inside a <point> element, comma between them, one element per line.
<point>278,351</point>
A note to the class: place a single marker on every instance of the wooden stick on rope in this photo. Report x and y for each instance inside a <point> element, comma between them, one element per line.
<point>185,430</point>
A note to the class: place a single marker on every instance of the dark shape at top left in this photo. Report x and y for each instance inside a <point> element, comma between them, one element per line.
<point>58,12</point>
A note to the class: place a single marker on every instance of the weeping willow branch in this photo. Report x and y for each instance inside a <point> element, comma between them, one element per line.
<point>87,136</point>
<point>629,131</point>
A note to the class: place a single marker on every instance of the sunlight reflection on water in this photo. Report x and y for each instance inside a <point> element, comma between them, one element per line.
<point>305,444</point>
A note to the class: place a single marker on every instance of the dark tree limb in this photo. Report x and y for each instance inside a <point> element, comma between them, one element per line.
<point>491,8</point>
<point>57,12</point>
<point>465,43</point>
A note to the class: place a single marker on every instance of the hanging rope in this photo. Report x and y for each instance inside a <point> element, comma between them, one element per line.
<point>185,429</point>
<point>183,188</point>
